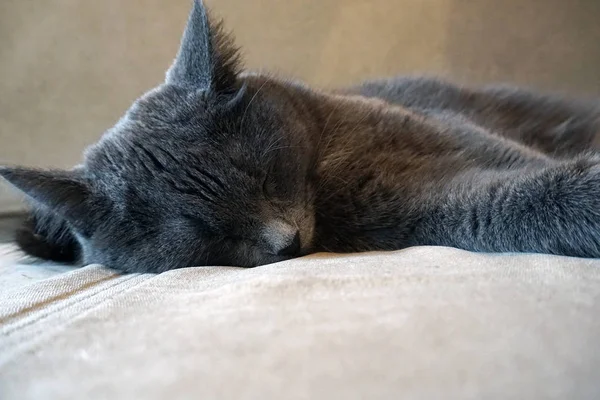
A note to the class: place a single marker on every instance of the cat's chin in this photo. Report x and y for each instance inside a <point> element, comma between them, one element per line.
<point>272,259</point>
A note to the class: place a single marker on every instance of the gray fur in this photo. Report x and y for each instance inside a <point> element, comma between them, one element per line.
<point>219,168</point>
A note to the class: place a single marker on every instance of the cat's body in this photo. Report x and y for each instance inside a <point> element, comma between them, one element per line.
<point>217,167</point>
<point>475,169</point>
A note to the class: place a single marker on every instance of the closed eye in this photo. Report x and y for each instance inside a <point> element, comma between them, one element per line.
<point>269,187</point>
<point>198,224</point>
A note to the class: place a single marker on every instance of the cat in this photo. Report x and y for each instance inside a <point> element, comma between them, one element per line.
<point>222,167</point>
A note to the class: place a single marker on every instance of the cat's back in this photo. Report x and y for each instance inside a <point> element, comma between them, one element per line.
<point>429,93</point>
<point>411,92</point>
<point>552,123</point>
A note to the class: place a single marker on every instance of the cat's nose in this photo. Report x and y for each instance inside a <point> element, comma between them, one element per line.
<point>292,248</point>
<point>281,238</point>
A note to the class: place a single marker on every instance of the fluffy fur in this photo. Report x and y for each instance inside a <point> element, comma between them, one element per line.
<point>215,167</point>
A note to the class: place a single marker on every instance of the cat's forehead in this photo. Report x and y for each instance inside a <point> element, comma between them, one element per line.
<point>165,114</point>
<point>168,104</point>
<point>137,148</point>
<point>136,152</point>
<point>172,128</point>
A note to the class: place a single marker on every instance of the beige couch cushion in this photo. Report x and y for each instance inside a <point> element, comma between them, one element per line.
<point>424,323</point>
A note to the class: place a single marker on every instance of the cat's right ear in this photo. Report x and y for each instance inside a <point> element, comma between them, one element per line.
<point>207,59</point>
<point>63,192</point>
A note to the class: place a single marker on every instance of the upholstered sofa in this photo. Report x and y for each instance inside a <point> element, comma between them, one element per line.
<point>421,323</point>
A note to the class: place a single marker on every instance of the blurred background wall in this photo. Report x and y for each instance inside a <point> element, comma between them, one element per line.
<point>69,68</point>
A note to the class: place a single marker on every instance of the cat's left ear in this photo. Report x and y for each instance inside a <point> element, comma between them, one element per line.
<point>63,192</point>
<point>207,59</point>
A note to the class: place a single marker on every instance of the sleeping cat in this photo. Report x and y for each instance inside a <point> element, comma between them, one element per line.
<point>220,167</point>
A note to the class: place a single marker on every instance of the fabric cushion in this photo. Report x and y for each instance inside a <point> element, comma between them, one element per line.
<point>423,323</point>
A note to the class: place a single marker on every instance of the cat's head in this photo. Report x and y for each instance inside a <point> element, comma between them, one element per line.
<point>210,168</point>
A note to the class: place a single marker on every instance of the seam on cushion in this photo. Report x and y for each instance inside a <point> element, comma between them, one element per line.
<point>57,304</point>
<point>38,306</point>
<point>32,338</point>
<point>51,289</point>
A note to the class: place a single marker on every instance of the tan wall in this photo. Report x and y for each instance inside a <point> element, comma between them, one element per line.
<point>69,68</point>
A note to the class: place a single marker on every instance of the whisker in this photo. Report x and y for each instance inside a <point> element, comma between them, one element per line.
<point>273,143</point>
<point>267,80</point>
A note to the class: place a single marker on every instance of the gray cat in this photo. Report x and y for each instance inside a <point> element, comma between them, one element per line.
<point>218,167</point>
